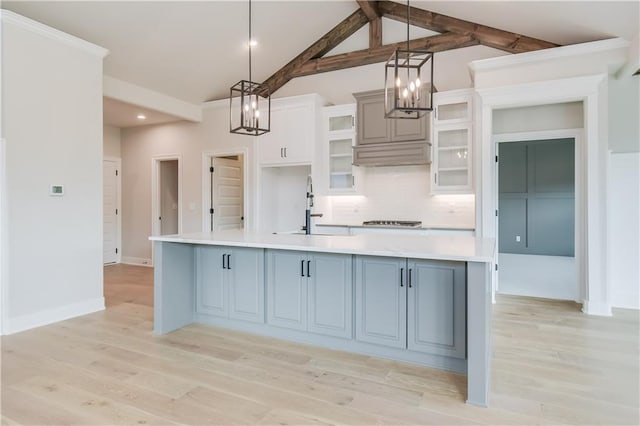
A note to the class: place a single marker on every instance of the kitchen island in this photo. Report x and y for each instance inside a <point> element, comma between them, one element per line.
<point>419,299</point>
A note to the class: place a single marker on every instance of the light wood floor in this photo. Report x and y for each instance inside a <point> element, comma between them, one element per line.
<point>552,365</point>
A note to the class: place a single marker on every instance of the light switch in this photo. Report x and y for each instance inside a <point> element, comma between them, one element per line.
<point>517,238</point>
<point>56,190</point>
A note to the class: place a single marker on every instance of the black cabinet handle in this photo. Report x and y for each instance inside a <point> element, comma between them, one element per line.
<point>302,268</point>
<point>223,264</point>
<point>401,277</point>
<point>410,277</point>
<point>285,152</point>
<point>228,261</point>
<point>308,268</point>
<point>281,153</point>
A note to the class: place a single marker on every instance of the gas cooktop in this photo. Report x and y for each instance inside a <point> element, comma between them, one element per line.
<point>393,223</point>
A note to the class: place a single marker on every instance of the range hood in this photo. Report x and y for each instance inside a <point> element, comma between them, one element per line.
<point>388,142</point>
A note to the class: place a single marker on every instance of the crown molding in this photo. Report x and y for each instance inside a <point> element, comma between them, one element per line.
<point>549,54</point>
<point>9,17</point>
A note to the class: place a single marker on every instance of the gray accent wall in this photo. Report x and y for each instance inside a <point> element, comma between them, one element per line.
<point>537,197</point>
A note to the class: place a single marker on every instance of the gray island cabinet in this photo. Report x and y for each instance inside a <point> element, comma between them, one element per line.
<point>419,299</point>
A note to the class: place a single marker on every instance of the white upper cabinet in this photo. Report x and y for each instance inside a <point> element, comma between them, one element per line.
<point>339,137</point>
<point>294,124</point>
<point>451,169</point>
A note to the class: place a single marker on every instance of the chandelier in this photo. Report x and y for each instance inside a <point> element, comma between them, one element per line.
<point>408,85</point>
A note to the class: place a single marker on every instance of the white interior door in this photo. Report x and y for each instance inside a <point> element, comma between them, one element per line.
<point>110,212</point>
<point>227,194</point>
<point>169,197</point>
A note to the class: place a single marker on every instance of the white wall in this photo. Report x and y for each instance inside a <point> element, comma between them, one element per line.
<point>624,114</point>
<point>189,140</point>
<point>52,123</point>
<point>623,217</point>
<point>111,141</point>
<point>538,117</point>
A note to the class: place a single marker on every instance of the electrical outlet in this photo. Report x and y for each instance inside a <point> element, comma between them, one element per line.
<point>517,238</point>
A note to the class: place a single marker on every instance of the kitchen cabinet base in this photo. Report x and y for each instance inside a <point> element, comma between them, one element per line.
<point>337,343</point>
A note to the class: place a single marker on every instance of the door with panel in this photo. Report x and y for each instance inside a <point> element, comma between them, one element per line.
<point>330,286</point>
<point>211,291</point>
<point>287,289</point>
<point>436,317</point>
<point>245,272</point>
<point>381,301</point>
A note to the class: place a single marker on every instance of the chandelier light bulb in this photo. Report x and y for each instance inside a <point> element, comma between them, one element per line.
<point>257,113</point>
<point>246,107</point>
<point>253,104</point>
<point>418,82</point>
<point>405,93</point>
<point>398,82</point>
<point>412,86</point>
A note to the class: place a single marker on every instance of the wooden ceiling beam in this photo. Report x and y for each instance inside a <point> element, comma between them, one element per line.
<point>370,8</point>
<point>438,43</point>
<point>322,46</point>
<point>375,33</point>
<point>487,36</point>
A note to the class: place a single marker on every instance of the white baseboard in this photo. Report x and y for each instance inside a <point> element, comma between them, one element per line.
<point>49,316</point>
<point>626,301</point>
<point>596,308</point>
<point>139,261</point>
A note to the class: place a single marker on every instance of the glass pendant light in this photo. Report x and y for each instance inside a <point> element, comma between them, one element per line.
<point>249,103</point>
<point>408,85</point>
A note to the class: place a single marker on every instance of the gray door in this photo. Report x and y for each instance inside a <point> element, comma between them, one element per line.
<point>287,289</point>
<point>537,197</point>
<point>211,279</point>
<point>246,284</point>
<point>436,314</point>
<point>330,285</point>
<point>381,301</point>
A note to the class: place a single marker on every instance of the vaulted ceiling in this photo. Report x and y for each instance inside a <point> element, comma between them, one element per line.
<point>196,50</point>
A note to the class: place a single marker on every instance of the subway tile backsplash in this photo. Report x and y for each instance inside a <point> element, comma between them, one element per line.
<point>401,193</point>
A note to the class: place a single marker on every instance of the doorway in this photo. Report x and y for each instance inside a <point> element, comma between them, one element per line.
<point>537,218</point>
<point>112,211</point>
<point>167,195</point>
<point>224,192</point>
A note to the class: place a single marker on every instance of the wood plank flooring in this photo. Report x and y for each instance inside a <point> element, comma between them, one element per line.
<point>551,365</point>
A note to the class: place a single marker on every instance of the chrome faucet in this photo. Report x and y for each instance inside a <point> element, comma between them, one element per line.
<point>307,213</point>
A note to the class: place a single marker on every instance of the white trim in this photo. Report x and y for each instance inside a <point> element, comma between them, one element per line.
<point>51,33</point>
<point>137,95</point>
<point>4,241</point>
<point>49,316</point>
<point>548,54</point>
<point>138,261</point>
<point>220,103</point>
<point>118,162</point>
<point>595,308</point>
<point>580,217</point>
<point>592,91</point>
<point>206,184</point>
<point>155,194</point>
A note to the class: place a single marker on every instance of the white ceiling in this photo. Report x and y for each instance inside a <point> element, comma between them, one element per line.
<point>122,114</point>
<point>195,51</point>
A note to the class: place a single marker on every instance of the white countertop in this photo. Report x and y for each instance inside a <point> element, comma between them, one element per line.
<point>422,227</point>
<point>437,247</point>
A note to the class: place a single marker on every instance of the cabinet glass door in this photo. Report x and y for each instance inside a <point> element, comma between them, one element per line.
<point>341,122</point>
<point>453,158</point>
<point>340,163</point>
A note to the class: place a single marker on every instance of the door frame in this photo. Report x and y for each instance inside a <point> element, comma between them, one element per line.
<point>580,213</point>
<point>206,185</point>
<point>118,162</point>
<point>155,193</point>
<point>4,241</point>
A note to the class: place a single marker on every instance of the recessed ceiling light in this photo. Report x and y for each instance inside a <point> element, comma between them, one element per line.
<point>253,42</point>
<point>142,117</point>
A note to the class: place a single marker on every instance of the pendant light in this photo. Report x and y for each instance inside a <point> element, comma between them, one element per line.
<point>408,85</point>
<point>249,103</point>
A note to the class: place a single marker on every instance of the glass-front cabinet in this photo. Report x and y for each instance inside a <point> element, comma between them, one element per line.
<point>451,169</point>
<point>340,137</point>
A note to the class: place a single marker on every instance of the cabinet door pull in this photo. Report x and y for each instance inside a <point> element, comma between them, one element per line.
<point>308,268</point>
<point>281,156</point>
<point>409,280</point>
<point>228,261</point>
<point>302,268</point>
<point>223,264</point>
<point>285,152</point>
<point>401,277</point>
